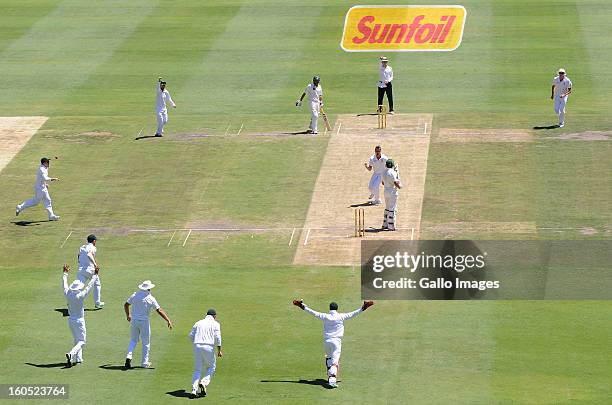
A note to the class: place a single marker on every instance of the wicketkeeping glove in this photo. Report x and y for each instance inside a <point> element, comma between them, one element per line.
<point>299,303</point>
<point>366,305</point>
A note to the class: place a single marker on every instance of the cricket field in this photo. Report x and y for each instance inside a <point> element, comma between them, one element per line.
<point>222,210</point>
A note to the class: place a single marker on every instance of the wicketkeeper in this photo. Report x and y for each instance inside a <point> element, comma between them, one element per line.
<point>333,331</point>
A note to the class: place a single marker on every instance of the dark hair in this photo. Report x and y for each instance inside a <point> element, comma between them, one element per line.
<point>44,160</point>
<point>333,306</point>
<point>211,312</point>
<point>91,238</point>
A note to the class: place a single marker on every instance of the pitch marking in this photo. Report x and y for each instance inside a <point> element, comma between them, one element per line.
<point>292,234</point>
<point>187,238</point>
<point>66,240</point>
<point>172,237</point>
<point>307,235</point>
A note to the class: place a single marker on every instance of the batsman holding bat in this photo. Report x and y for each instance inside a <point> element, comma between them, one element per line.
<point>315,102</point>
<point>333,331</point>
<point>392,183</point>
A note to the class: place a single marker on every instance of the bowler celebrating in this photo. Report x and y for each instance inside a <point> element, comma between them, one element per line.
<point>75,294</point>
<point>561,89</point>
<point>163,96</point>
<point>377,165</point>
<point>333,331</point>
<point>41,191</point>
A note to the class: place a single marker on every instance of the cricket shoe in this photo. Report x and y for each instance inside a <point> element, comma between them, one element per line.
<point>128,364</point>
<point>371,197</point>
<point>147,365</point>
<point>309,131</point>
<point>561,125</point>
<point>17,211</point>
<point>202,390</point>
<point>391,112</point>
<point>377,202</point>
<point>99,305</point>
<point>68,360</point>
<point>54,218</point>
<point>158,135</point>
<point>194,394</point>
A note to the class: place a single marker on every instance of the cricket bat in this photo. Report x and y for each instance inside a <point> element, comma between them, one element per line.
<point>327,126</point>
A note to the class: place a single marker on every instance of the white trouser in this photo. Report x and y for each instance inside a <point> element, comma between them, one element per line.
<point>40,194</point>
<point>560,108</point>
<point>374,185</point>
<point>314,115</point>
<point>142,330</point>
<point>84,278</point>
<point>390,209</point>
<point>201,353</point>
<point>79,333</point>
<point>333,347</point>
<point>162,119</point>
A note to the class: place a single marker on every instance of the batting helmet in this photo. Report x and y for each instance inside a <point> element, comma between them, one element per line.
<point>390,163</point>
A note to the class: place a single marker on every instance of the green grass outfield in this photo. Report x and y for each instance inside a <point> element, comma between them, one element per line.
<point>92,66</point>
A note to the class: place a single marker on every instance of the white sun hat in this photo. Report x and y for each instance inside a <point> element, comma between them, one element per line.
<point>561,70</point>
<point>76,286</point>
<point>146,285</point>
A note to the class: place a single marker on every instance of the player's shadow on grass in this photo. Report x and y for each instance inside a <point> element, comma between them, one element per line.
<point>122,368</point>
<point>546,127</point>
<point>317,381</point>
<point>297,133</point>
<point>361,115</point>
<point>178,394</point>
<point>50,365</point>
<point>64,311</point>
<point>138,138</point>
<point>29,223</point>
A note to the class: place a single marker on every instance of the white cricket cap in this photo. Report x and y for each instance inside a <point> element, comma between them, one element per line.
<point>561,70</point>
<point>146,285</point>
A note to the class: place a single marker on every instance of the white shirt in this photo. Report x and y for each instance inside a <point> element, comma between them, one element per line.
<point>389,177</point>
<point>142,302</point>
<point>75,298</point>
<point>378,165</point>
<point>386,75</point>
<point>561,87</point>
<point>85,263</point>
<point>313,93</point>
<point>333,322</point>
<point>206,331</point>
<point>162,98</point>
<point>42,177</point>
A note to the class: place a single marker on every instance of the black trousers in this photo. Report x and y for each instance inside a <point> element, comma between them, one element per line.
<point>389,91</point>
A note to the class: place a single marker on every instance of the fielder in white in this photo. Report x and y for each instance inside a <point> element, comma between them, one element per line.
<point>377,165</point>
<point>75,294</point>
<point>333,331</point>
<point>142,302</point>
<point>162,96</point>
<point>561,89</point>
<point>41,191</point>
<point>392,183</point>
<point>88,265</point>
<point>315,101</point>
<point>205,335</point>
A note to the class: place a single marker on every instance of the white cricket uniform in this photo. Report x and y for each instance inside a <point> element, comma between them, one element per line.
<point>378,168</point>
<point>389,177</point>
<point>142,302</point>
<point>385,75</point>
<point>205,335</point>
<point>160,108</point>
<point>87,269</point>
<point>561,87</point>
<point>76,316</point>
<point>313,94</point>
<point>41,192</point>
<point>333,331</point>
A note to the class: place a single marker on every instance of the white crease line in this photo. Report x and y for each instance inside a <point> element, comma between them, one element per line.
<point>139,132</point>
<point>339,126</point>
<point>292,234</point>
<point>240,130</point>
<point>228,127</point>
<point>65,240</point>
<point>187,238</point>
<point>172,237</point>
<point>425,130</point>
<point>412,234</point>
<point>307,235</point>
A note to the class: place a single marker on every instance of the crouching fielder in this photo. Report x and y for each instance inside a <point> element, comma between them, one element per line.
<point>333,331</point>
<point>75,294</point>
<point>205,335</point>
<point>392,184</point>
<point>142,302</point>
